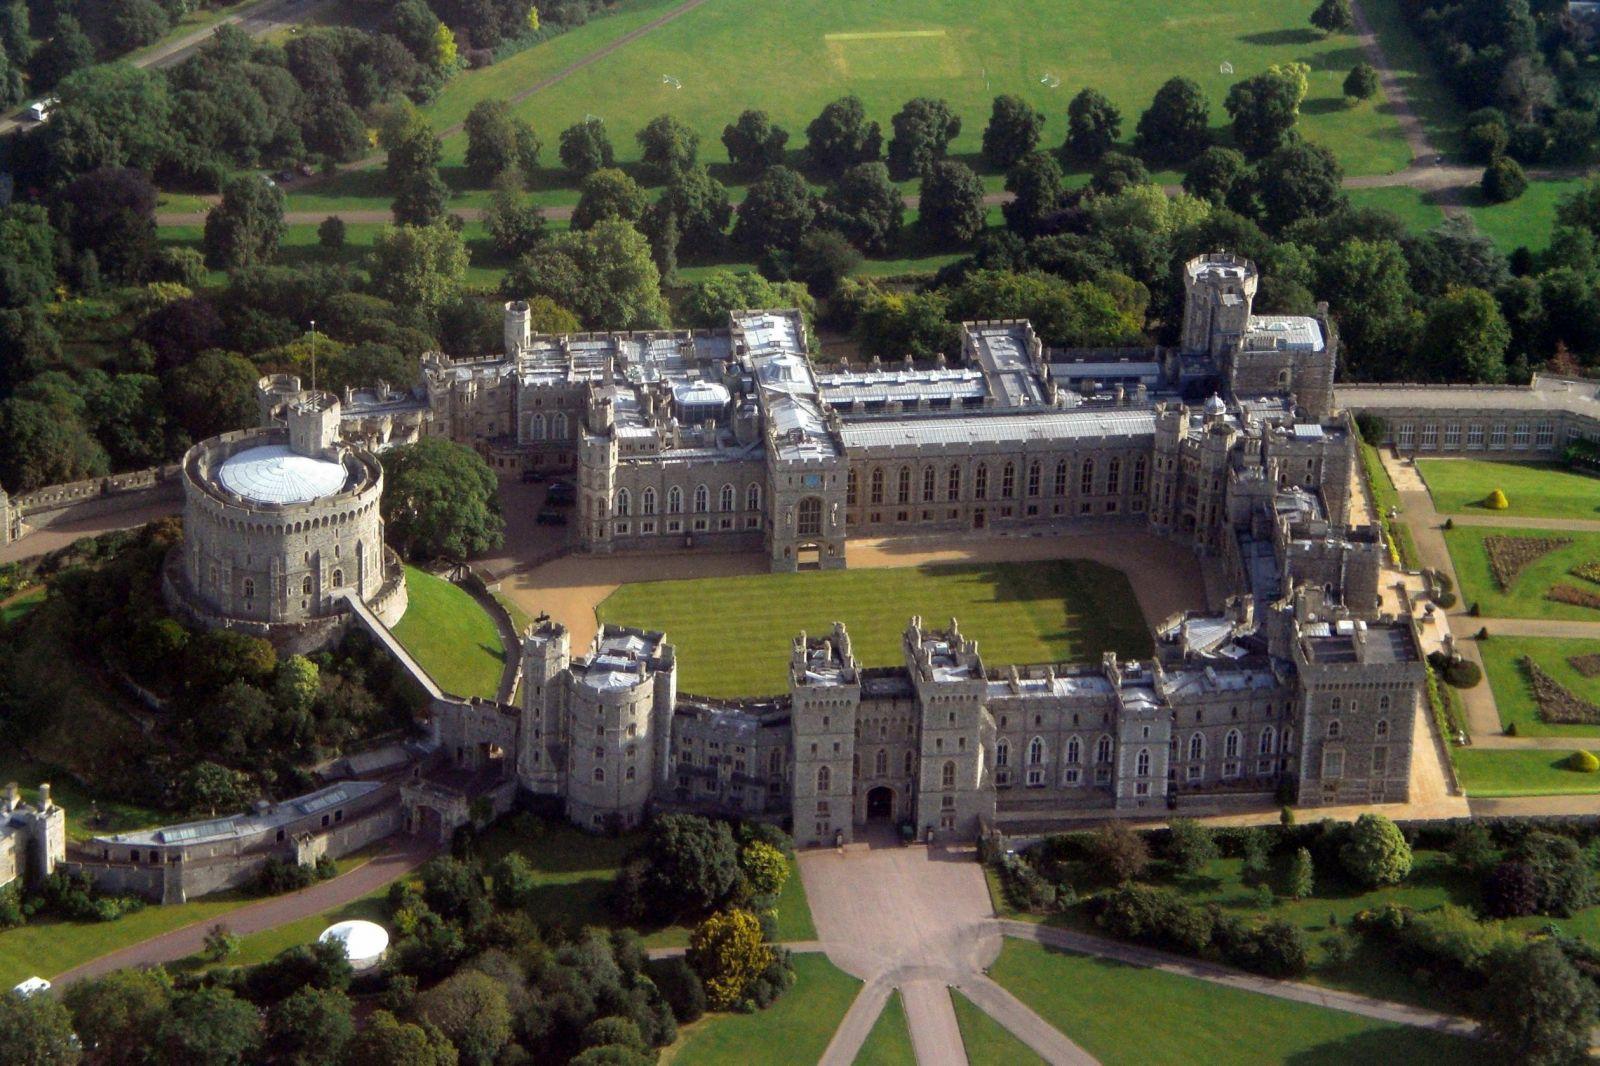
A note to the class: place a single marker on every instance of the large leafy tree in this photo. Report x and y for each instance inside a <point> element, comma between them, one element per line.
<point>1093,125</point>
<point>605,275</point>
<point>497,141</point>
<point>754,143</point>
<point>387,1041</point>
<point>776,213</point>
<point>1333,16</point>
<point>1368,285</point>
<point>1037,190</point>
<point>27,256</point>
<point>1464,339</point>
<point>208,1027</point>
<point>1264,109</point>
<point>45,445</point>
<point>699,208</point>
<point>310,1028</point>
<point>111,212</point>
<point>841,136</point>
<point>1076,314</point>
<point>67,51</point>
<point>439,501</point>
<point>728,953</point>
<point>1013,131</point>
<point>690,864</point>
<point>1177,127</point>
<point>865,206</point>
<point>245,228</point>
<point>1538,1008</point>
<point>950,207</point>
<point>1376,852</point>
<point>1214,175</point>
<point>608,193</point>
<point>116,1014</point>
<point>514,219</point>
<point>37,1030</point>
<point>1298,180</point>
<point>923,130</point>
<point>413,168</point>
<point>585,148</point>
<point>212,394</point>
<point>667,147</point>
<point>471,1009</point>
<point>418,266</point>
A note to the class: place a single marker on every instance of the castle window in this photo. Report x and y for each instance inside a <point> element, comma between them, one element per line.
<point>1073,749</point>
<point>1033,478</point>
<point>947,777</point>
<point>1113,475</point>
<point>558,425</point>
<point>1002,753</point>
<point>1267,738</point>
<point>1197,747</point>
<point>1335,704</point>
<point>702,499</point>
<point>903,486</point>
<point>1288,741</point>
<point>824,778</point>
<point>952,490</point>
<point>752,497</point>
<point>1086,478</point>
<point>1061,478</point>
<point>624,503</point>
<point>249,588</point>
<point>1230,744</point>
<point>1333,728</point>
<point>908,764</point>
<point>1138,475</point>
<point>876,493</point>
<point>305,586</point>
<point>810,517</point>
<point>1332,763</point>
<point>1141,763</point>
<point>928,478</point>
<point>980,482</point>
<point>675,500</point>
<point>1383,703</point>
<point>1008,481</point>
<point>850,488</point>
<point>338,578</point>
<point>629,776</point>
<point>1380,760</point>
<point>1102,750</point>
<point>1035,751</point>
<point>536,427</point>
<point>725,498</point>
<point>880,765</point>
<point>647,502</point>
<point>1382,728</point>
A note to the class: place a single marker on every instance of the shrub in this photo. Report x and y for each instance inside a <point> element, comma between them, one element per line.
<point>680,986</point>
<point>1462,673</point>
<point>1510,891</point>
<point>728,953</point>
<point>1275,948</point>
<point>1376,853</point>
<point>1564,881</point>
<point>1190,845</point>
<point>1361,83</point>
<point>1584,762</point>
<point>1503,181</point>
<point>1119,853</point>
<point>1156,917</point>
<point>1496,501</point>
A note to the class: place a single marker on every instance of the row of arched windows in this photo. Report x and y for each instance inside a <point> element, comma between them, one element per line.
<point>702,500</point>
<point>554,428</point>
<point>1036,751</point>
<point>1232,744</point>
<point>879,490</point>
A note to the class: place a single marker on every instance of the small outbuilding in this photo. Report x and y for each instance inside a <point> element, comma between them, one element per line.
<point>365,943</point>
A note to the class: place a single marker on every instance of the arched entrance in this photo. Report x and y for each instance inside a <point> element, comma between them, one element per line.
<point>880,804</point>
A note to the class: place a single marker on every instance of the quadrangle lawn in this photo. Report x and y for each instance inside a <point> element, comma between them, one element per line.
<point>1526,597</point>
<point>1530,772</point>
<point>1533,490</point>
<point>1513,693</point>
<point>988,1043</point>
<point>453,638</point>
<point>794,1031</point>
<point>889,1043</point>
<point>733,634</point>
<point>1090,1000</point>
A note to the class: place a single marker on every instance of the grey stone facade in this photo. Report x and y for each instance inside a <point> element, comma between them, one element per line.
<point>33,836</point>
<point>1534,421</point>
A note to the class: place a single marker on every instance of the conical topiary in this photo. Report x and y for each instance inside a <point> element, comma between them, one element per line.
<point>1583,761</point>
<point>1496,501</point>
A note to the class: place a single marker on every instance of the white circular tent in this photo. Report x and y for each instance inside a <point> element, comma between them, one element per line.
<point>364,942</point>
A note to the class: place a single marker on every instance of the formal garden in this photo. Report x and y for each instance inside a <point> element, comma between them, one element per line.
<point>1530,489</point>
<point>733,634</point>
<point>1544,687</point>
<point>1523,573</point>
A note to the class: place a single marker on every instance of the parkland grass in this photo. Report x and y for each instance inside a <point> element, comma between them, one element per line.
<point>794,1031</point>
<point>452,637</point>
<point>733,633</point>
<point>889,1043</point>
<point>1488,773</point>
<point>1090,1000</point>
<point>1526,597</point>
<point>1533,490</point>
<point>1526,221</point>
<point>1513,691</point>
<point>988,1043</point>
<point>1415,207</point>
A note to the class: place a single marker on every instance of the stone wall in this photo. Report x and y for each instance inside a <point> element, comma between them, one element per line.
<point>92,498</point>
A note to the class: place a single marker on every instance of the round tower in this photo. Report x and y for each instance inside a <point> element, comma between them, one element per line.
<point>519,326</point>
<point>1219,291</point>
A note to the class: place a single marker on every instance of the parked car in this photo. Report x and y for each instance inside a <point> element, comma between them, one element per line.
<point>561,494</point>
<point>552,516</point>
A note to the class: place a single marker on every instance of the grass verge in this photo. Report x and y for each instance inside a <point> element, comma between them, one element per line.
<point>451,636</point>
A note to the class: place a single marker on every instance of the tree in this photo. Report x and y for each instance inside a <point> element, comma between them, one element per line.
<point>765,868</point>
<point>667,146</point>
<point>893,325</point>
<point>1333,16</point>
<point>1302,880</point>
<point>585,148</point>
<point>420,194</point>
<point>417,266</point>
<point>1037,188</point>
<point>220,943</point>
<point>27,256</point>
<point>1298,180</point>
<point>951,203</point>
<point>1503,180</point>
<point>754,143</point>
<point>497,141</point>
<point>296,684</point>
<point>923,130</point>
<point>439,501</point>
<point>208,1027</point>
<point>841,137</point>
<point>37,1030</point>
<point>515,222</point>
<point>1376,852</point>
<point>1362,81</point>
<point>515,885</point>
<point>728,953</point>
<point>605,275</point>
<point>1013,131</point>
<point>310,1027</point>
<point>1177,126</point>
<point>824,259</point>
<point>608,193</point>
<point>1539,1008</point>
<point>1117,172</point>
<point>1093,126</point>
<point>331,233</point>
<point>471,1010</point>
<point>1076,314</point>
<point>1563,878</point>
<point>865,206</point>
<point>116,1014</point>
<point>45,446</point>
<point>698,206</point>
<point>123,25</point>
<point>1510,890</point>
<point>707,302</point>
<point>1119,853</point>
<point>1464,340</point>
<point>67,51</point>
<point>111,212</point>
<point>690,865</point>
<point>1369,284</point>
<point>387,1041</point>
<point>1214,174</point>
<point>1264,109</point>
<point>777,211</point>
<point>212,394</point>
<point>245,228</point>
<point>1190,845</point>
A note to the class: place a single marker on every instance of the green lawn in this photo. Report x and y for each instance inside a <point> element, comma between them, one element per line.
<point>1525,221</point>
<point>889,1043</point>
<point>1526,598</point>
<point>451,636</point>
<point>794,1031</point>
<point>1187,1020</point>
<point>989,1043</point>
<point>88,815</point>
<point>1513,694</point>
<point>21,604</point>
<point>1534,490</point>
<point>733,634</point>
<point>1415,207</point>
<point>1486,773</point>
<point>1384,499</point>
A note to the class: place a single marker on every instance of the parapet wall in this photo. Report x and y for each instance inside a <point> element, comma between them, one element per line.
<point>90,498</point>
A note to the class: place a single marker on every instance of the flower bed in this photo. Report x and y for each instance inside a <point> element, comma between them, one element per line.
<point>1508,556</point>
<point>1587,571</point>
<point>1558,704</point>
<point>1587,665</point>
<point>1575,596</point>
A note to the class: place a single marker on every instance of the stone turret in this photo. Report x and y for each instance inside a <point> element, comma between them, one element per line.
<point>519,326</point>
<point>314,425</point>
<point>1219,291</point>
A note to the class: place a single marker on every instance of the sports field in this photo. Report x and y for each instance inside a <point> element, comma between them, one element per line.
<point>733,633</point>
<point>1534,490</point>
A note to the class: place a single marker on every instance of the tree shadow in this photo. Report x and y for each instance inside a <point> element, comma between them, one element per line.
<point>1391,1043</point>
<point>1323,105</point>
<point>1277,38</point>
